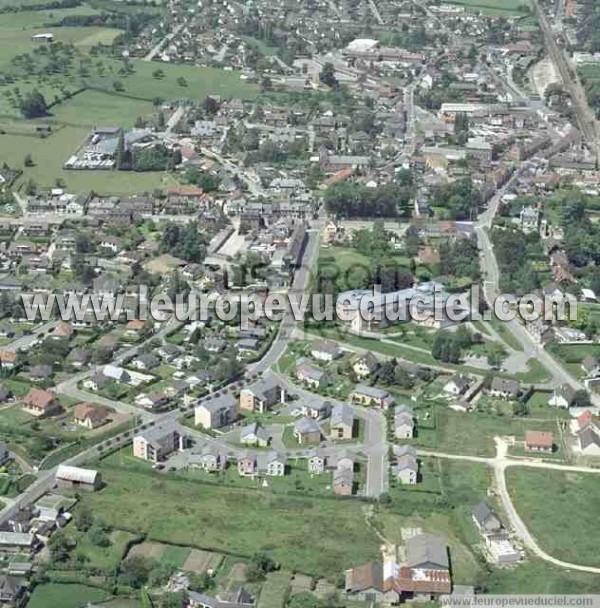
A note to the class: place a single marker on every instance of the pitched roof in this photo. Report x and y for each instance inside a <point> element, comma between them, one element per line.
<point>426,549</point>
<point>85,411</point>
<point>539,438</point>
<point>342,414</point>
<point>38,397</point>
<point>307,425</point>
<point>505,386</point>
<point>366,576</point>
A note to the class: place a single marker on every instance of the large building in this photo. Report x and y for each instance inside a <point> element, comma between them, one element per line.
<point>156,443</point>
<point>75,477</point>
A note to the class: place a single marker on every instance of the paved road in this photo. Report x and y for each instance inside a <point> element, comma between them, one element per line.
<point>158,47</point>
<point>300,285</point>
<point>24,342</point>
<point>491,290</point>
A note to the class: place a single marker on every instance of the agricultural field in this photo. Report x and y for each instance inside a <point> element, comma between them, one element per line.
<point>547,501</point>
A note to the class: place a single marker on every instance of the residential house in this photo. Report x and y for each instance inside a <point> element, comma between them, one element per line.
<point>247,465</point>
<point>426,572</point>
<point>8,359</point>
<point>76,477</point>
<point>371,584</point>
<point>313,376</point>
<point>157,442</point>
<point>316,461</point>
<point>18,542</point>
<point>11,589</point>
<point>216,412</point>
<point>562,396</point>
<point>406,468</point>
<point>79,357</point>
<point>590,366</point>
<point>63,331</point>
<point>341,424</point>
<point>40,402</point>
<point>209,459</point>
<point>317,410</point>
<point>262,395</point>
<point>307,430</point>
<point>325,351</point>
<point>343,481</point>
<point>255,435</point>
<point>589,441</point>
<point>457,385</point>
<point>272,464</point>
<point>504,388</point>
<point>404,425</point>
<point>364,365</point>
<point>40,373</point>
<point>485,519</point>
<point>371,395</point>
<point>5,393</point>
<point>145,362</point>
<point>153,400</point>
<point>90,416</point>
<point>539,441</point>
<point>135,327</point>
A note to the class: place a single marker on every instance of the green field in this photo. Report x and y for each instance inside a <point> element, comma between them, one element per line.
<point>52,595</point>
<point>560,509</point>
<point>316,536</point>
<point>494,7</point>
<point>473,433</point>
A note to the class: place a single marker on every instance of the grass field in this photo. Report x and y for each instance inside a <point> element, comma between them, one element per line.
<point>560,509</point>
<point>473,433</point>
<point>316,536</point>
<point>51,595</point>
<point>494,7</point>
<point>274,590</point>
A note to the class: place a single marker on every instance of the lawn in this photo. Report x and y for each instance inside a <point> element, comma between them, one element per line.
<point>95,108</point>
<point>201,81</point>
<point>51,595</point>
<point>49,155</point>
<point>473,433</point>
<point>560,509</point>
<point>315,536</point>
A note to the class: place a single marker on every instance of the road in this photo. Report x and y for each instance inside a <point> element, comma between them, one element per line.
<point>499,464</point>
<point>585,116</point>
<point>491,290</point>
<point>25,341</point>
<point>299,286</point>
<point>158,47</point>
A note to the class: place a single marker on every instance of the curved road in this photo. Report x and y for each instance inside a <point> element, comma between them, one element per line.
<point>499,464</point>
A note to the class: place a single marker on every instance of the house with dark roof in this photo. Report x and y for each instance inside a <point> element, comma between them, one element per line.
<point>341,423</point>
<point>590,366</point>
<point>505,388</point>
<point>307,430</point>
<point>562,396</point>
<point>485,519</point>
<point>262,394</point>
<point>157,442</point>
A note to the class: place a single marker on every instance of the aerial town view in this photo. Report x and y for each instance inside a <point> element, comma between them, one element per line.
<point>299,303</point>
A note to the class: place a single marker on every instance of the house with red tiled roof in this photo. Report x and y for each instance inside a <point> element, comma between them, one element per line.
<point>8,359</point>
<point>539,441</point>
<point>40,402</point>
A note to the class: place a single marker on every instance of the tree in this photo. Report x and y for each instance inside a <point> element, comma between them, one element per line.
<point>171,600</point>
<point>98,535</point>
<point>83,519</point>
<point>327,75</point>
<point>118,86</point>
<point>59,547</point>
<point>182,82</point>
<point>28,160</point>
<point>495,354</point>
<point>136,570</point>
<point>33,105</point>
